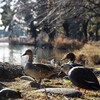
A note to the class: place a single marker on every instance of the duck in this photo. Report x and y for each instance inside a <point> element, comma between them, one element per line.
<point>7,93</point>
<point>81,77</point>
<point>71,63</point>
<point>71,56</point>
<point>37,71</point>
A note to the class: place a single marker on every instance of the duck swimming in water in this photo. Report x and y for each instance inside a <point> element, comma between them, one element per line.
<point>37,71</point>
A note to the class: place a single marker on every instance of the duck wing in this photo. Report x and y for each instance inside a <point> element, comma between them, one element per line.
<point>44,67</point>
<point>41,68</point>
<point>76,64</point>
<point>84,78</point>
<point>39,71</point>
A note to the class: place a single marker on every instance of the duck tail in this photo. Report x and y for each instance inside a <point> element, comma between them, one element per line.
<point>99,88</point>
<point>96,88</point>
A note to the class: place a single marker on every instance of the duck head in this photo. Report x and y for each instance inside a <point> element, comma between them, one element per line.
<point>65,68</point>
<point>70,56</point>
<point>30,54</point>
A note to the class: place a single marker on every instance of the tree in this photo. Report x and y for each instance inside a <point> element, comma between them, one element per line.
<point>33,29</point>
<point>7,15</point>
<point>53,12</point>
<point>65,25</point>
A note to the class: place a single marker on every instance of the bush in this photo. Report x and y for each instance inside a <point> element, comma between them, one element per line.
<point>96,59</point>
<point>82,59</point>
<point>61,42</point>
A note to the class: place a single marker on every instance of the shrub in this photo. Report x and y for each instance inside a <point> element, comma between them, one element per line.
<point>82,59</point>
<point>96,59</point>
<point>62,42</point>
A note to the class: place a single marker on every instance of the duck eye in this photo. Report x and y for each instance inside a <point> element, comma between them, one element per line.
<point>62,66</point>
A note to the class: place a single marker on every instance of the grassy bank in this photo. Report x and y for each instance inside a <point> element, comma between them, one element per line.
<point>88,52</point>
<point>91,55</point>
<point>91,52</point>
<point>62,42</point>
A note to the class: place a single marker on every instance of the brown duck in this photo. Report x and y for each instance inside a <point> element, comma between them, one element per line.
<point>37,71</point>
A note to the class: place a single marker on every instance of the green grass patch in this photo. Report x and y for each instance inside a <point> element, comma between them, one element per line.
<point>67,82</point>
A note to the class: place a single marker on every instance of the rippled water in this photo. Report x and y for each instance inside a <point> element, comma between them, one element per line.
<point>13,54</point>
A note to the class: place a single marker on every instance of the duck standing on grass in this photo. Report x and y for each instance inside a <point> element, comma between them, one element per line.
<point>37,71</point>
<point>71,56</point>
<point>79,75</point>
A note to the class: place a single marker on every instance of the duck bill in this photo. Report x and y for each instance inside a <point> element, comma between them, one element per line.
<point>64,58</point>
<point>24,54</point>
<point>60,71</point>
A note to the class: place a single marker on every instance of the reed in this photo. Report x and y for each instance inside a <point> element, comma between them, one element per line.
<point>62,42</point>
<point>91,52</point>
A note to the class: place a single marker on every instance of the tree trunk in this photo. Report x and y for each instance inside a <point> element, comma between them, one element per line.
<point>84,28</point>
<point>66,28</point>
<point>97,28</point>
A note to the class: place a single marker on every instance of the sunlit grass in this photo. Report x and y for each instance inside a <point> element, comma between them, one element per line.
<point>89,50</point>
<point>98,69</point>
<point>67,82</point>
<point>49,83</point>
<point>30,93</point>
<point>62,42</point>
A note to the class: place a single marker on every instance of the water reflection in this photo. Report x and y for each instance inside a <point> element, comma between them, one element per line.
<point>13,54</point>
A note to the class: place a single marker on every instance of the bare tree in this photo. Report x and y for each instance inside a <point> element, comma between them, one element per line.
<point>55,12</point>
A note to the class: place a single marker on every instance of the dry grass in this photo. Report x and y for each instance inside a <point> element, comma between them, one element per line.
<point>62,42</point>
<point>96,59</point>
<point>89,50</point>
<point>29,92</point>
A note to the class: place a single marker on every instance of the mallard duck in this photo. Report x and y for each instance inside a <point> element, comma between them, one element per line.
<point>71,56</point>
<point>37,71</point>
<point>81,77</point>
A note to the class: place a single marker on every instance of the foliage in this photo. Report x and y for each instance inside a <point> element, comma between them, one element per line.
<point>7,15</point>
<point>53,12</point>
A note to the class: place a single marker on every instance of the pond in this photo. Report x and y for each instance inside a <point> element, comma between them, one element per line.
<point>13,53</point>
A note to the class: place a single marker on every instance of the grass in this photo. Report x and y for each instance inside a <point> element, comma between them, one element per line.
<point>29,92</point>
<point>67,82</point>
<point>62,42</point>
<point>89,50</point>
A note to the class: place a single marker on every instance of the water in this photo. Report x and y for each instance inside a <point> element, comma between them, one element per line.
<point>13,54</point>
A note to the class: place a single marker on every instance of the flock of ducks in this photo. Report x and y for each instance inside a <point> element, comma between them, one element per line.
<point>79,75</point>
